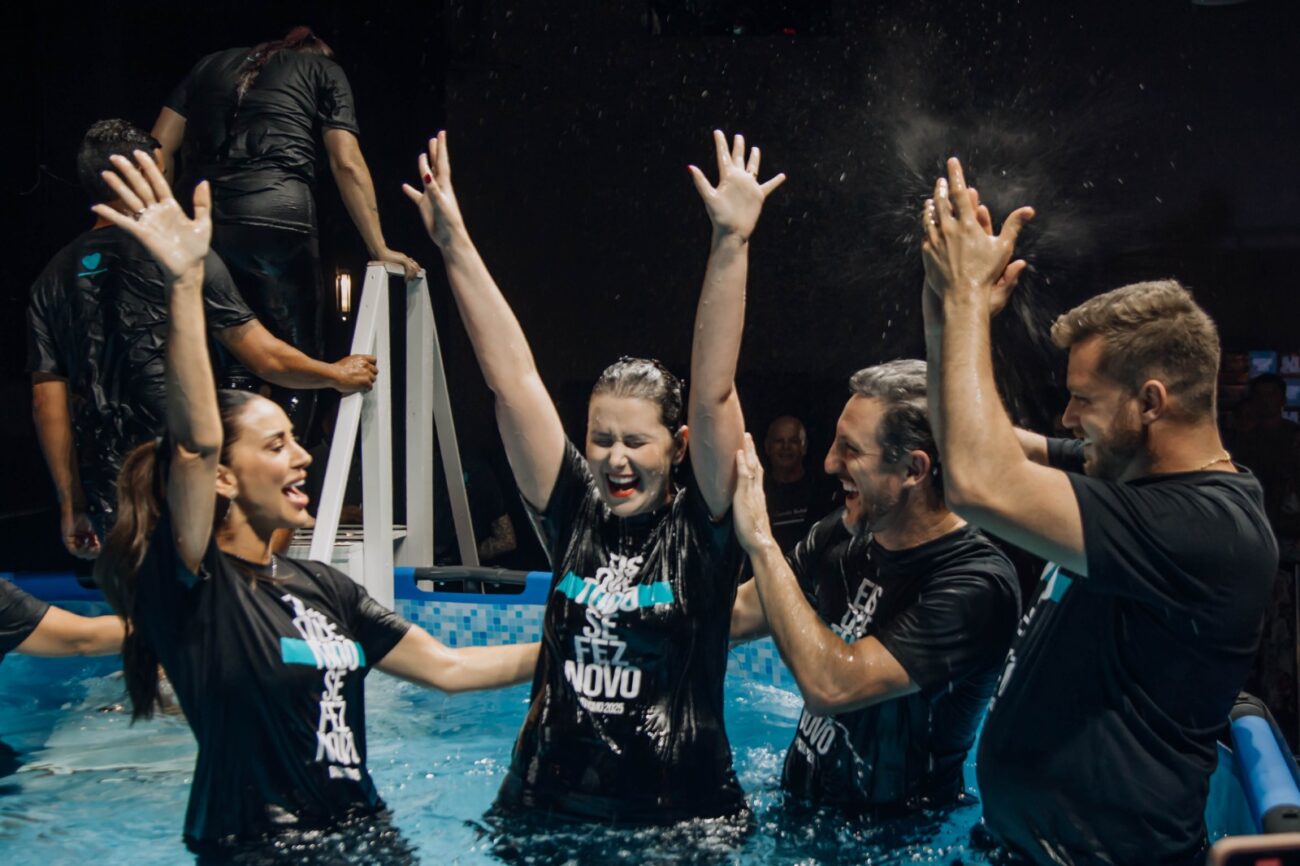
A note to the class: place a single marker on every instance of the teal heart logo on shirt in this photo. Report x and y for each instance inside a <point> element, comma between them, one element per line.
<point>91,261</point>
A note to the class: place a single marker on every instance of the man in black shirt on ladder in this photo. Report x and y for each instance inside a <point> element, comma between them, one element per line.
<point>1100,740</point>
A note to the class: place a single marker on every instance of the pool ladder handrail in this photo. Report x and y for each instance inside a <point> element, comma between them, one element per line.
<point>428,405</point>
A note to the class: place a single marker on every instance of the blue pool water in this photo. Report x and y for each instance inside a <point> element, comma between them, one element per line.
<point>87,787</point>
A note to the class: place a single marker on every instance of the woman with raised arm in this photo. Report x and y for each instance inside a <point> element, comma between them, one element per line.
<point>626,720</point>
<point>266,654</point>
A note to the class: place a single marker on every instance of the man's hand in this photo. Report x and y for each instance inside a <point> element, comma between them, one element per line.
<point>176,241</point>
<point>735,203</point>
<point>355,373</point>
<point>410,265</point>
<point>749,503</point>
<point>959,250</point>
<point>78,534</point>
<point>438,208</point>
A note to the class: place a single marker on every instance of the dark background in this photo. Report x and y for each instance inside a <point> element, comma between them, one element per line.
<point>1155,138</point>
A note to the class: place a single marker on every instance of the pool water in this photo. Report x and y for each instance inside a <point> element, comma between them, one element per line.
<point>79,784</point>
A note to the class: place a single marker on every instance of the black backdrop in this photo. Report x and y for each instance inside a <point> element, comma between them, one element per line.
<point>1154,138</point>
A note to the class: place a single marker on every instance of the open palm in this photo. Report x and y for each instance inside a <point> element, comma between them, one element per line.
<point>735,203</point>
<point>159,223</point>
<point>437,202</point>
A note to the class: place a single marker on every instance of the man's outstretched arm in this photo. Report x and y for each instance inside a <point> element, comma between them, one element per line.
<point>279,363</point>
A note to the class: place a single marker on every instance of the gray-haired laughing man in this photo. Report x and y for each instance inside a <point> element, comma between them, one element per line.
<point>893,614</point>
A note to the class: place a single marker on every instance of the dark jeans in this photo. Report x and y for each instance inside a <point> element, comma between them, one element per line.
<point>278,273</point>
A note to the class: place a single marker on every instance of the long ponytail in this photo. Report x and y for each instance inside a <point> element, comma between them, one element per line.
<point>141,497</point>
<point>141,492</point>
<point>300,38</point>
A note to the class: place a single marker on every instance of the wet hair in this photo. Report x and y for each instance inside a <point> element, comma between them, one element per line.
<point>141,497</point>
<point>1151,330</point>
<point>905,424</point>
<point>300,38</point>
<point>105,138</point>
<point>646,379</point>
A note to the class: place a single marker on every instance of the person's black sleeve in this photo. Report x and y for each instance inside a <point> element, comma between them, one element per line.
<point>1065,454</point>
<point>806,553</point>
<point>223,306</point>
<point>20,614</point>
<point>375,627</point>
<point>164,582</point>
<point>42,349</point>
<point>571,493</point>
<point>335,108</point>
<point>1175,544</point>
<point>179,99</point>
<point>962,623</point>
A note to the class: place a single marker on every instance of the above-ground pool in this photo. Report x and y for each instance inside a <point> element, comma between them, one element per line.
<point>80,784</point>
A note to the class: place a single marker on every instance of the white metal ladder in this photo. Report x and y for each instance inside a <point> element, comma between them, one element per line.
<point>427,406</point>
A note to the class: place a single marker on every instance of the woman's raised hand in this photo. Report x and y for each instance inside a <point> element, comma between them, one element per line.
<point>735,203</point>
<point>437,203</point>
<point>156,219</point>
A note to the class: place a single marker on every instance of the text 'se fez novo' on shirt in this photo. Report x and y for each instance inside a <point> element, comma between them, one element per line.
<point>97,317</point>
<point>947,611</point>
<point>626,719</point>
<point>1100,740</point>
<point>270,675</point>
<point>20,614</point>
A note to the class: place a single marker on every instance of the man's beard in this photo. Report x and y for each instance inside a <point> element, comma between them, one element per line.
<point>1112,458</point>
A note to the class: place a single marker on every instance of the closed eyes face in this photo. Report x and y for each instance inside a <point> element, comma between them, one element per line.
<point>630,453</point>
<point>267,467</point>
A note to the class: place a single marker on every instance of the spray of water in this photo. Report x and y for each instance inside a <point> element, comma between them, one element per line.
<point>1031,127</point>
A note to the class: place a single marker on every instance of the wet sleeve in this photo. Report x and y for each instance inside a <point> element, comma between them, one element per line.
<point>163,597</point>
<point>179,99</point>
<point>42,352</point>
<point>1174,544</point>
<point>960,624</point>
<point>1065,454</point>
<point>573,490</point>
<point>335,108</point>
<point>223,305</point>
<point>375,627</point>
<point>20,614</point>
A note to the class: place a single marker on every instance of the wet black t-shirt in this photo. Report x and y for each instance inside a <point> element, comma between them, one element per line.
<point>270,674</point>
<point>259,154</point>
<point>98,318</point>
<point>20,614</point>
<point>947,611</point>
<point>1100,741</point>
<point>626,720</point>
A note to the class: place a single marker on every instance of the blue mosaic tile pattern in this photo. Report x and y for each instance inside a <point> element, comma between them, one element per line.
<point>760,661</point>
<point>461,624</point>
<point>490,624</point>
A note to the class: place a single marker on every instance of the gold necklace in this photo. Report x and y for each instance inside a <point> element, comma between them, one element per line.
<point>1224,459</point>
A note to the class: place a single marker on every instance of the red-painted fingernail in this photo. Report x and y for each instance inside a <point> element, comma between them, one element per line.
<point>428,178</point>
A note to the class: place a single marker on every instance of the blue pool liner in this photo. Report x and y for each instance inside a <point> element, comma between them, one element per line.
<point>1265,767</point>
